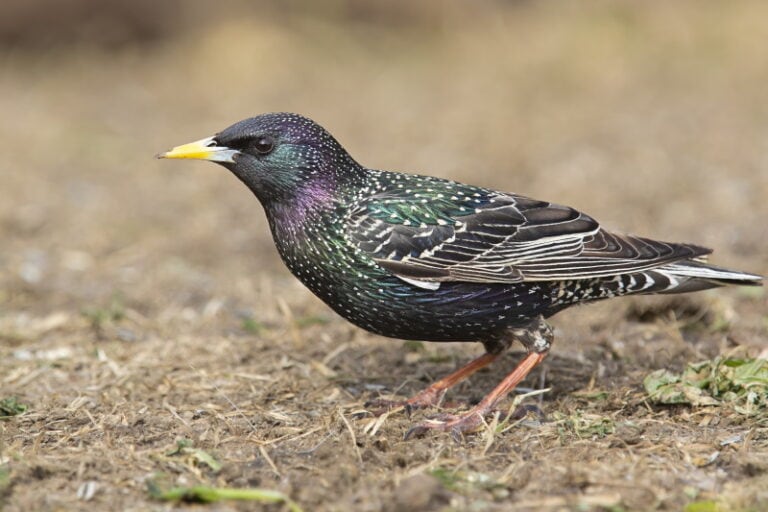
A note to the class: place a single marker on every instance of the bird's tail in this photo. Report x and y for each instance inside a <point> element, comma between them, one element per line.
<point>680,277</point>
<point>692,276</point>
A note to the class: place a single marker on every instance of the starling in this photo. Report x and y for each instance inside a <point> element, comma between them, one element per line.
<point>424,258</point>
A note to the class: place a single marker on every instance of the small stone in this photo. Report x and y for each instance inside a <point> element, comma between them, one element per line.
<point>420,493</point>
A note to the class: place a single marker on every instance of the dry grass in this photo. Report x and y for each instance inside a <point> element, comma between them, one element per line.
<point>142,303</point>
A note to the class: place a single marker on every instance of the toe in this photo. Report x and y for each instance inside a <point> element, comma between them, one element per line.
<point>380,406</point>
<point>457,426</point>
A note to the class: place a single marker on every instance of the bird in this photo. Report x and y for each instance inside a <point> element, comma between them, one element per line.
<point>418,257</point>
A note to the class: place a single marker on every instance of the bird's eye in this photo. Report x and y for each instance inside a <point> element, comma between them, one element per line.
<point>264,145</point>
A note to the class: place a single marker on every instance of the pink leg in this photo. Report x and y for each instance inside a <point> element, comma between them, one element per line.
<point>472,420</point>
<point>431,396</point>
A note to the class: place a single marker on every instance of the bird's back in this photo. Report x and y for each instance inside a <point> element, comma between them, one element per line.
<point>424,258</point>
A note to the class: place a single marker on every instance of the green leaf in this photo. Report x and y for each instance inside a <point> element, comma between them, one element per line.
<point>11,407</point>
<point>252,326</point>
<point>206,494</point>
<point>702,506</point>
<point>185,447</point>
<point>741,383</point>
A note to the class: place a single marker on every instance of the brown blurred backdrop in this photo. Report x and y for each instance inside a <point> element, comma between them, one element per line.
<point>651,116</point>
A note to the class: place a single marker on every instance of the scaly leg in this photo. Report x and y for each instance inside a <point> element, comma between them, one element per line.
<point>431,396</point>
<point>537,339</point>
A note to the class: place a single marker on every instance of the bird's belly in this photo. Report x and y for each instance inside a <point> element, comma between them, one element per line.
<point>454,312</point>
<point>374,299</point>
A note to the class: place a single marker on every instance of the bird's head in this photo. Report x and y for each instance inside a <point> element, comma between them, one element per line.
<point>280,157</point>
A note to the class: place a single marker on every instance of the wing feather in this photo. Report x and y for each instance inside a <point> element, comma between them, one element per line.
<point>479,235</point>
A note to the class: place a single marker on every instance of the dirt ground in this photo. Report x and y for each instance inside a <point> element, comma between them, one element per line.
<point>142,302</point>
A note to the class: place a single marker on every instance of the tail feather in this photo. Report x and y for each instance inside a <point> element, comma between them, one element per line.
<point>680,277</point>
<point>696,275</point>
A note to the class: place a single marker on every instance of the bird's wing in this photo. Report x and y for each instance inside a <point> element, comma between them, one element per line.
<point>443,231</point>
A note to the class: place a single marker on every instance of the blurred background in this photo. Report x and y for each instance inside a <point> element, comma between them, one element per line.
<point>650,116</point>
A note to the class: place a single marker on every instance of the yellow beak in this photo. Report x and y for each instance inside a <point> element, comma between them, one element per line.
<point>203,149</point>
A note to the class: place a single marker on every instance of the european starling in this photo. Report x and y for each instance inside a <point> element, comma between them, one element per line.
<point>424,258</point>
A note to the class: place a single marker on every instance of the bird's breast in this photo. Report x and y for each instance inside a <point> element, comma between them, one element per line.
<point>354,286</point>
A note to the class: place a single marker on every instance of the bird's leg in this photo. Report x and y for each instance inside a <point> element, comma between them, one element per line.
<point>536,337</point>
<point>431,396</point>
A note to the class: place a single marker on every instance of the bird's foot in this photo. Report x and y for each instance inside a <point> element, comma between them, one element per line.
<point>471,421</point>
<point>428,397</point>
<point>379,406</point>
<point>456,425</point>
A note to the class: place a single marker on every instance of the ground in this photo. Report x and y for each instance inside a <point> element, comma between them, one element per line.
<point>155,339</point>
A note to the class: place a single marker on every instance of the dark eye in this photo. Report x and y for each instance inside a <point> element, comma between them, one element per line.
<point>263,145</point>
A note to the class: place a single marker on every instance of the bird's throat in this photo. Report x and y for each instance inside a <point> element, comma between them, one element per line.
<point>309,207</point>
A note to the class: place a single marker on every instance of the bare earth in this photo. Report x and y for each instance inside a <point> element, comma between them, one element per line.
<point>142,302</point>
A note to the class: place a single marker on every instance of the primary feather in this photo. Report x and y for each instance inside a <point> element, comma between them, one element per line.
<point>430,229</point>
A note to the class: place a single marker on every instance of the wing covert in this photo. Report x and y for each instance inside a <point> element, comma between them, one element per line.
<point>439,233</point>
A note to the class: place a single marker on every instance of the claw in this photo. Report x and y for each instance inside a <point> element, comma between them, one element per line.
<point>416,430</point>
<point>380,406</point>
<point>457,426</point>
<point>427,398</point>
<point>523,410</point>
<point>457,435</point>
